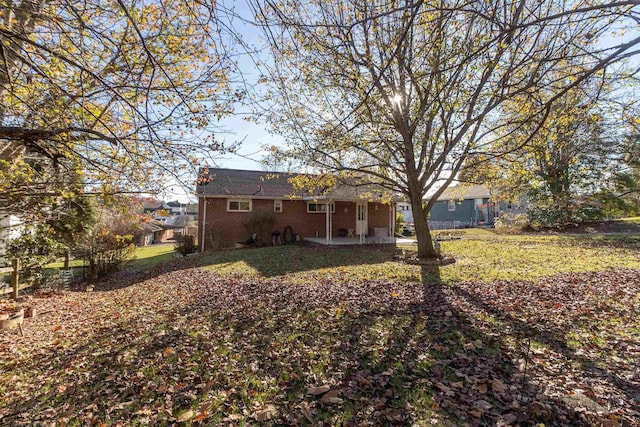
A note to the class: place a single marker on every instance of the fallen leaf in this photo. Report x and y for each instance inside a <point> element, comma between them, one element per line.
<point>185,416</point>
<point>498,385</point>
<point>483,404</point>
<point>332,397</point>
<point>442,387</point>
<point>476,413</point>
<point>314,391</point>
<point>267,413</point>
<point>201,416</point>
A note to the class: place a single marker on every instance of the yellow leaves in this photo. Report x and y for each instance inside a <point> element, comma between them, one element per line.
<point>186,416</point>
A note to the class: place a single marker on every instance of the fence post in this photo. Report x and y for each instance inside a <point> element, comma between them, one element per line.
<point>66,259</point>
<point>15,276</point>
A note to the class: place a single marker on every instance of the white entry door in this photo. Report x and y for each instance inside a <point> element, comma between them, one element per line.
<point>361,218</point>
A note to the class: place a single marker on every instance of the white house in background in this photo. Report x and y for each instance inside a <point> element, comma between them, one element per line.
<point>405,209</point>
<point>175,207</point>
<point>10,228</point>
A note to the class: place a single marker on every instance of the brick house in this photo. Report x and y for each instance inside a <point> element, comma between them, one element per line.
<point>357,214</point>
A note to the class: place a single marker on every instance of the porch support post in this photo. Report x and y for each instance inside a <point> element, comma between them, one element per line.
<point>328,223</point>
<point>365,212</point>
<point>392,222</point>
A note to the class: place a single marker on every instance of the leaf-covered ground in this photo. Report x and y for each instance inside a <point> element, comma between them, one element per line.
<point>195,346</point>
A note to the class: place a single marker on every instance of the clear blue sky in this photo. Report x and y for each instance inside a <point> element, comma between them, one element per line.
<point>235,129</point>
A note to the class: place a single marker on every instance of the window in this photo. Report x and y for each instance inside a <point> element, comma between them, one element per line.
<point>239,205</point>
<point>320,207</point>
<point>452,205</point>
<point>277,205</point>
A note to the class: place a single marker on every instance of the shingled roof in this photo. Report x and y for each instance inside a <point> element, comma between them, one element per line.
<point>465,192</point>
<point>216,182</point>
<point>234,182</point>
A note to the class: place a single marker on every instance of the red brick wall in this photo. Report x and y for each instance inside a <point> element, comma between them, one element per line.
<point>294,213</point>
<point>380,217</point>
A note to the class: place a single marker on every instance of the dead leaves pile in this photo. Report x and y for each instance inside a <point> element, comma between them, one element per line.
<point>191,347</point>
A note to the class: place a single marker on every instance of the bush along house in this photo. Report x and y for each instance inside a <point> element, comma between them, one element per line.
<point>346,214</point>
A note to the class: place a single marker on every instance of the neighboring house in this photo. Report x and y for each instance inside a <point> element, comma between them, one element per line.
<point>158,232</point>
<point>150,205</point>
<point>175,208</point>
<point>227,196</point>
<point>10,228</point>
<point>468,206</point>
<point>183,225</point>
<point>165,220</point>
<point>192,210</point>
<point>405,209</point>
<point>150,232</point>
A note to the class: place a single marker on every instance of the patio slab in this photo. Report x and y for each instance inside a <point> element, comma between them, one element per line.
<point>348,241</point>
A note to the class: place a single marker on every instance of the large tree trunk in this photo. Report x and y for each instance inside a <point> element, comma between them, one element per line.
<point>426,249</point>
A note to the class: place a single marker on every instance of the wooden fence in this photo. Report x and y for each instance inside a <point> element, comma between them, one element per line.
<point>14,288</point>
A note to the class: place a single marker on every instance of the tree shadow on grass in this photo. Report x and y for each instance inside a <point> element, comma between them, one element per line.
<point>549,335</point>
<point>619,241</point>
<point>271,261</point>
<point>253,351</point>
<point>282,260</point>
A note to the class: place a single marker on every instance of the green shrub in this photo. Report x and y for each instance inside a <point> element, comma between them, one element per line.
<point>509,223</point>
<point>185,244</point>
<point>110,244</point>
<point>216,237</point>
<point>261,223</point>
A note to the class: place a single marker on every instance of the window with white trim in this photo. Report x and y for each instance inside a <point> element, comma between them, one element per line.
<point>320,207</point>
<point>238,205</point>
<point>277,205</point>
<point>452,205</point>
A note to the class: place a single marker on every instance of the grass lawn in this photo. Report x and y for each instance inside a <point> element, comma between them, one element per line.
<point>521,330</point>
<point>145,257</point>
<point>481,256</point>
<point>149,256</point>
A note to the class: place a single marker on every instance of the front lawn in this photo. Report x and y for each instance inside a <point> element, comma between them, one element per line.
<point>521,330</point>
<point>481,256</point>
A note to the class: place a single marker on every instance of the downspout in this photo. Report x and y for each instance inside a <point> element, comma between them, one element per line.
<point>204,222</point>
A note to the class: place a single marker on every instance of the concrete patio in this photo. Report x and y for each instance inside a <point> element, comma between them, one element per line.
<point>347,241</point>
